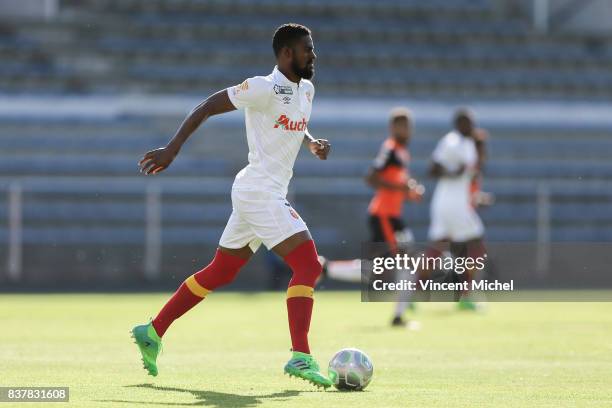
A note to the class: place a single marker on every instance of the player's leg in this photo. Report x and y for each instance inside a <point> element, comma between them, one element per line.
<point>272,220</point>
<point>399,240</point>
<point>466,233</point>
<point>473,249</point>
<point>350,270</point>
<point>219,272</point>
<point>300,254</point>
<point>234,251</point>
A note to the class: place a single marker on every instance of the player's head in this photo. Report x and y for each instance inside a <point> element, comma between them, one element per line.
<point>294,49</point>
<point>400,124</point>
<point>464,121</point>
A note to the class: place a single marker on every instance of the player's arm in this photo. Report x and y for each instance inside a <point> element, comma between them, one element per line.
<point>480,140</point>
<point>412,187</point>
<point>374,180</point>
<point>318,147</point>
<point>158,160</point>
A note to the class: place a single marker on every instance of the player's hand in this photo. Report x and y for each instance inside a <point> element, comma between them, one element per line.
<point>480,134</point>
<point>414,191</point>
<point>156,160</point>
<point>320,148</point>
<point>482,199</point>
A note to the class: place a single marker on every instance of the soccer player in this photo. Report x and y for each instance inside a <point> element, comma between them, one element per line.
<point>455,163</point>
<point>277,110</point>
<point>390,178</point>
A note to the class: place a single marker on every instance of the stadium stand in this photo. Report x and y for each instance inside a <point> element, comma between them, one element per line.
<point>435,49</point>
<point>82,195</point>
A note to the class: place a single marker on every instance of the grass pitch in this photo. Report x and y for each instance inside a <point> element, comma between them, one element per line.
<point>229,352</point>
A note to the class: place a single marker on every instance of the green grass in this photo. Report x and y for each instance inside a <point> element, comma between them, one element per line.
<point>229,352</point>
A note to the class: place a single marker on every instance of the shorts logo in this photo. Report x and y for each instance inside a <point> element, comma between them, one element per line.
<point>283,90</point>
<point>285,123</point>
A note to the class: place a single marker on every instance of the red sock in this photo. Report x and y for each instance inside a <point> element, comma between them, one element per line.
<point>305,265</point>
<point>221,271</point>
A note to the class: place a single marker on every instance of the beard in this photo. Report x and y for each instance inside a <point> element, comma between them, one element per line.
<point>305,72</point>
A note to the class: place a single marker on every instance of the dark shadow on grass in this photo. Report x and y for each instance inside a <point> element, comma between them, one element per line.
<point>212,398</point>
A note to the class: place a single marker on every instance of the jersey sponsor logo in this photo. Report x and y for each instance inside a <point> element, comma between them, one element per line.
<point>285,123</point>
<point>286,100</point>
<point>283,90</point>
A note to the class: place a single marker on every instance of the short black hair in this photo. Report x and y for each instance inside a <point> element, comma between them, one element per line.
<point>287,35</point>
<point>463,113</point>
<point>400,113</point>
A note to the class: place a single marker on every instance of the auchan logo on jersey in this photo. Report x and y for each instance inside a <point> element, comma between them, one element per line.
<point>285,123</point>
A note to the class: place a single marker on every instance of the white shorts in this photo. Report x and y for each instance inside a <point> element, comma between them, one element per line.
<point>456,223</point>
<point>257,217</point>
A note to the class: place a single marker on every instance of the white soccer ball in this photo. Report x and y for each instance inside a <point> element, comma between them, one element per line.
<point>350,370</point>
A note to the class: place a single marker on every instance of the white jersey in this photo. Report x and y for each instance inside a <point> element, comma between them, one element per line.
<point>452,215</point>
<point>277,111</point>
<point>453,151</point>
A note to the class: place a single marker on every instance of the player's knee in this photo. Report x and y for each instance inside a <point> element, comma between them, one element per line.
<point>304,262</point>
<point>307,272</point>
<point>222,270</point>
<point>312,269</point>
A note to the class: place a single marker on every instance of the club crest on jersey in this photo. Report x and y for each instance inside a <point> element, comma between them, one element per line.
<point>283,90</point>
<point>285,123</point>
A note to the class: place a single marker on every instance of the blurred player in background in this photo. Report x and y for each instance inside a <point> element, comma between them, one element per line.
<point>277,109</point>
<point>457,163</point>
<point>390,178</point>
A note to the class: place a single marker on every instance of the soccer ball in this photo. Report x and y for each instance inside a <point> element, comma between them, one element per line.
<point>350,370</point>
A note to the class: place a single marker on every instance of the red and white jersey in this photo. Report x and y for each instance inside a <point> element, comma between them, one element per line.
<point>453,151</point>
<point>277,111</point>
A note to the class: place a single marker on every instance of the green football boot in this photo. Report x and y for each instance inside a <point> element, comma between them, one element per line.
<point>149,344</point>
<point>302,365</point>
<point>466,304</point>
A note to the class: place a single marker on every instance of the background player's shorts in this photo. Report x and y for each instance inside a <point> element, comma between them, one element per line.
<point>456,223</point>
<point>390,230</point>
<point>384,228</point>
<point>257,217</point>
